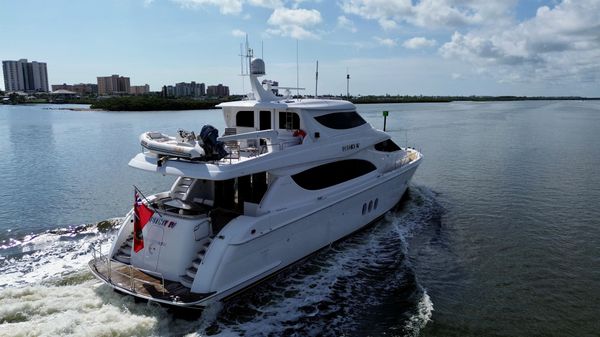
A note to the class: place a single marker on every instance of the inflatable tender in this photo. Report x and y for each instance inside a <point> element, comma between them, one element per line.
<point>186,145</point>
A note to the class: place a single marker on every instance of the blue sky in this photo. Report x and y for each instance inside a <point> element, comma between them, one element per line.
<point>414,47</point>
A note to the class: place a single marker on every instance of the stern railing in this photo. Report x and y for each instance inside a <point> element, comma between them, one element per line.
<point>99,259</point>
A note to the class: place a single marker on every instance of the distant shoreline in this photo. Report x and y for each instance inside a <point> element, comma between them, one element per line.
<point>157,103</point>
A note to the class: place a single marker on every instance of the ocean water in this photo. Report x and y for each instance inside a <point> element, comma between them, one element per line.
<point>497,236</point>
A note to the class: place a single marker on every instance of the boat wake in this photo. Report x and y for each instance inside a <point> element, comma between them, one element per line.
<point>364,285</point>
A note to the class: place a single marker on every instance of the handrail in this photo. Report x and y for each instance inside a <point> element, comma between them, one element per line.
<point>97,256</point>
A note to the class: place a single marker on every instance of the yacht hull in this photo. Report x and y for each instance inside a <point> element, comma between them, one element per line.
<point>241,266</point>
<point>232,267</point>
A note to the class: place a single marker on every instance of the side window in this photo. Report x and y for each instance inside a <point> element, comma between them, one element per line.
<point>244,118</point>
<point>331,174</point>
<point>341,120</point>
<point>387,145</point>
<point>289,120</point>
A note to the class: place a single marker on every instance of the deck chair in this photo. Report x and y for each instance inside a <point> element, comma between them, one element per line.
<point>233,146</point>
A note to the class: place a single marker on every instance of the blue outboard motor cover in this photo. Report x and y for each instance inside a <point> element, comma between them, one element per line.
<point>214,149</point>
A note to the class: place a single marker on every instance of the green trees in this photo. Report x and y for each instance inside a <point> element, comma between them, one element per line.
<point>149,103</point>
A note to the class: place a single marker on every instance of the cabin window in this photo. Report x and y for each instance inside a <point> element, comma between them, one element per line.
<point>387,145</point>
<point>331,174</point>
<point>244,118</point>
<point>289,120</point>
<point>265,120</point>
<point>341,120</point>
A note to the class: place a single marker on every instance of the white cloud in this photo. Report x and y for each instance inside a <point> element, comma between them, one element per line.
<point>266,3</point>
<point>418,42</point>
<point>429,13</point>
<point>385,41</point>
<point>147,3</point>
<point>238,33</point>
<point>295,23</point>
<point>559,43</point>
<point>345,23</point>
<point>228,6</point>
<point>225,6</point>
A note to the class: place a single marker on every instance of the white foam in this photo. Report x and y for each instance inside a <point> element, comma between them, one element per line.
<point>422,316</point>
<point>50,256</point>
<point>81,310</point>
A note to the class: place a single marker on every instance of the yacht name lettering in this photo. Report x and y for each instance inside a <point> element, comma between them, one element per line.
<point>163,222</point>
<point>350,147</point>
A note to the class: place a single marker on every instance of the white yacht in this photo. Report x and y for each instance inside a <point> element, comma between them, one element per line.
<point>286,178</point>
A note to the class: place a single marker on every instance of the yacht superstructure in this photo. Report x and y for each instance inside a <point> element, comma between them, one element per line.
<point>286,178</point>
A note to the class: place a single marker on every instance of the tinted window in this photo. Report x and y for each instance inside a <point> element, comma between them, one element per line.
<point>341,120</point>
<point>387,146</point>
<point>244,118</point>
<point>265,120</point>
<point>289,120</point>
<point>331,174</point>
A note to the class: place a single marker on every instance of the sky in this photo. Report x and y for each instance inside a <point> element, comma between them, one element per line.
<point>405,47</point>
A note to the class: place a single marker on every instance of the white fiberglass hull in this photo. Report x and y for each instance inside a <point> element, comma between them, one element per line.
<point>235,266</point>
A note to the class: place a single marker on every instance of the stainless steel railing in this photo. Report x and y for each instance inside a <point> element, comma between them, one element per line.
<point>99,259</point>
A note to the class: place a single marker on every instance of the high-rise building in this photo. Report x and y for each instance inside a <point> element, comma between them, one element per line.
<point>217,90</point>
<point>184,89</point>
<point>192,89</point>
<point>114,84</point>
<point>139,89</point>
<point>25,76</point>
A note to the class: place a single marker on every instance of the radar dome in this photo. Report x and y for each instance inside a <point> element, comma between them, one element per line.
<point>257,67</point>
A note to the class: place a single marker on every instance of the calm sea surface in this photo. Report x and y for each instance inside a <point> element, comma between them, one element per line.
<point>498,235</point>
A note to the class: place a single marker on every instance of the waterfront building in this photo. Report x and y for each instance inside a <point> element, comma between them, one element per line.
<point>114,84</point>
<point>80,88</point>
<point>191,89</point>
<point>217,90</point>
<point>184,89</point>
<point>139,89</point>
<point>25,76</point>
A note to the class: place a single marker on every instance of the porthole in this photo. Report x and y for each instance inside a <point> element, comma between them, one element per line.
<point>370,205</point>
<point>364,209</point>
<point>376,203</point>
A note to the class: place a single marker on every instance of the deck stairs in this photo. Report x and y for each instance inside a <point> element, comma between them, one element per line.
<point>190,274</point>
<point>124,252</point>
<point>181,189</point>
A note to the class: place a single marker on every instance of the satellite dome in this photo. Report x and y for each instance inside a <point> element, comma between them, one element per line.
<point>257,67</point>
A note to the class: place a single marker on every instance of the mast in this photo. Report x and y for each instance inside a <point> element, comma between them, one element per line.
<point>316,78</point>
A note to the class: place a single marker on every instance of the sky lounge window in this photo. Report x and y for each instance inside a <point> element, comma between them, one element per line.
<point>289,120</point>
<point>244,118</point>
<point>387,145</point>
<point>341,120</point>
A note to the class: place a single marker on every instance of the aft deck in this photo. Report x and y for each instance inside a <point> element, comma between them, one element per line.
<point>136,282</point>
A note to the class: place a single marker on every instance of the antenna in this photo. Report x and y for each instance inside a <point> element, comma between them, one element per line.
<point>262,50</point>
<point>317,79</point>
<point>347,83</point>
<point>297,71</point>
<point>242,67</point>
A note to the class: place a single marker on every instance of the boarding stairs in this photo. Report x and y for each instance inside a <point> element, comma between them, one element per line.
<point>124,253</point>
<point>190,274</point>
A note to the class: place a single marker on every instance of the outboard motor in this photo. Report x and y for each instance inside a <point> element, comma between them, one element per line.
<point>214,149</point>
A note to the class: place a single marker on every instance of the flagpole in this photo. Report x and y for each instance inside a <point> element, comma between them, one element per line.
<point>147,202</point>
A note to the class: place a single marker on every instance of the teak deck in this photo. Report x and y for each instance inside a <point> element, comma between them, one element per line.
<point>129,279</point>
